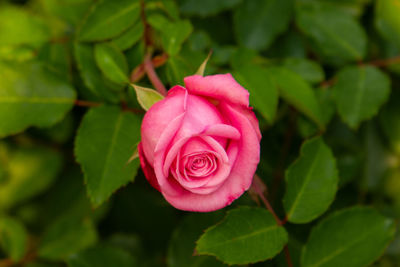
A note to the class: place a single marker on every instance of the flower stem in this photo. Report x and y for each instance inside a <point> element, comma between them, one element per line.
<point>148,61</point>
<point>384,62</point>
<point>258,186</point>
<point>151,73</point>
<point>83,103</point>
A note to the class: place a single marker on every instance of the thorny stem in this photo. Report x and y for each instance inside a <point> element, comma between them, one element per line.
<point>6,263</point>
<point>257,186</point>
<point>384,62</point>
<point>152,75</point>
<point>139,71</point>
<point>147,29</point>
<point>148,65</point>
<point>287,256</point>
<point>148,61</point>
<point>83,103</point>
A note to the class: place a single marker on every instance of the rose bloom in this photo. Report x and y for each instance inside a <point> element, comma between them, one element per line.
<point>201,144</point>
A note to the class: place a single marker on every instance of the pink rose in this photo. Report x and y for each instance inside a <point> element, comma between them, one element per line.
<point>201,144</point>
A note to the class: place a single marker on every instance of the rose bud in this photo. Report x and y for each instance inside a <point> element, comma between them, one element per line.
<point>201,144</point>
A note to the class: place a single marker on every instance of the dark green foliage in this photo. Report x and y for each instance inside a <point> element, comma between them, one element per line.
<point>323,78</point>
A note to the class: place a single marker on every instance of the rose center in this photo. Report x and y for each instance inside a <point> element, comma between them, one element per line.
<point>200,165</point>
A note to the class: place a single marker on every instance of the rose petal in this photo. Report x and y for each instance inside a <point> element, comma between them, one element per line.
<point>216,147</point>
<point>147,168</point>
<point>240,177</point>
<point>200,114</point>
<point>192,125</point>
<point>220,86</point>
<point>159,153</point>
<point>163,113</point>
<point>232,152</point>
<point>186,183</point>
<point>248,112</point>
<point>222,130</point>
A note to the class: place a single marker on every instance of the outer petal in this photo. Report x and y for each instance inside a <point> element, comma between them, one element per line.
<point>241,174</point>
<point>220,87</point>
<point>147,169</point>
<point>197,116</point>
<point>248,112</point>
<point>159,116</point>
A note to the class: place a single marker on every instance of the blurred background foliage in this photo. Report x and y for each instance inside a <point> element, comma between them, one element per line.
<point>313,67</point>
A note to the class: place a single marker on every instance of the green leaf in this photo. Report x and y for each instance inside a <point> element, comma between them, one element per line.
<point>171,8</point>
<point>337,36</point>
<point>354,237</point>
<point>178,68</point>
<point>389,119</point>
<point>91,74</point>
<point>298,93</point>
<point>200,71</point>
<point>130,37</point>
<point>173,34</point>
<point>109,18</point>
<point>246,235</point>
<point>17,53</point>
<point>387,19</point>
<point>328,109</point>
<point>311,182</point>
<point>258,22</point>
<point>135,55</point>
<point>375,159</point>
<point>31,95</point>
<point>354,8</point>
<point>263,91</point>
<point>112,62</point>
<point>30,29</point>
<point>106,140</point>
<point>57,58</point>
<point>199,41</point>
<point>102,256</point>
<point>291,44</point>
<point>243,56</point>
<point>29,172</point>
<point>146,96</point>
<point>67,198</point>
<point>13,237</point>
<point>309,70</point>
<point>182,243</point>
<point>206,7</point>
<point>67,236</point>
<point>359,93</point>
<point>72,11</point>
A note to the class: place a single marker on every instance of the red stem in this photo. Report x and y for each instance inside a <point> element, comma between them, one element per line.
<point>6,263</point>
<point>257,186</point>
<point>151,73</point>
<point>148,63</point>
<point>83,103</point>
<point>384,62</point>
<point>287,256</point>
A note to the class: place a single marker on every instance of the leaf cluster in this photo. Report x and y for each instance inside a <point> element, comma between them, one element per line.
<point>324,81</point>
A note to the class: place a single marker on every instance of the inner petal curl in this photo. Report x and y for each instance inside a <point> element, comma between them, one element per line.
<point>199,164</point>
